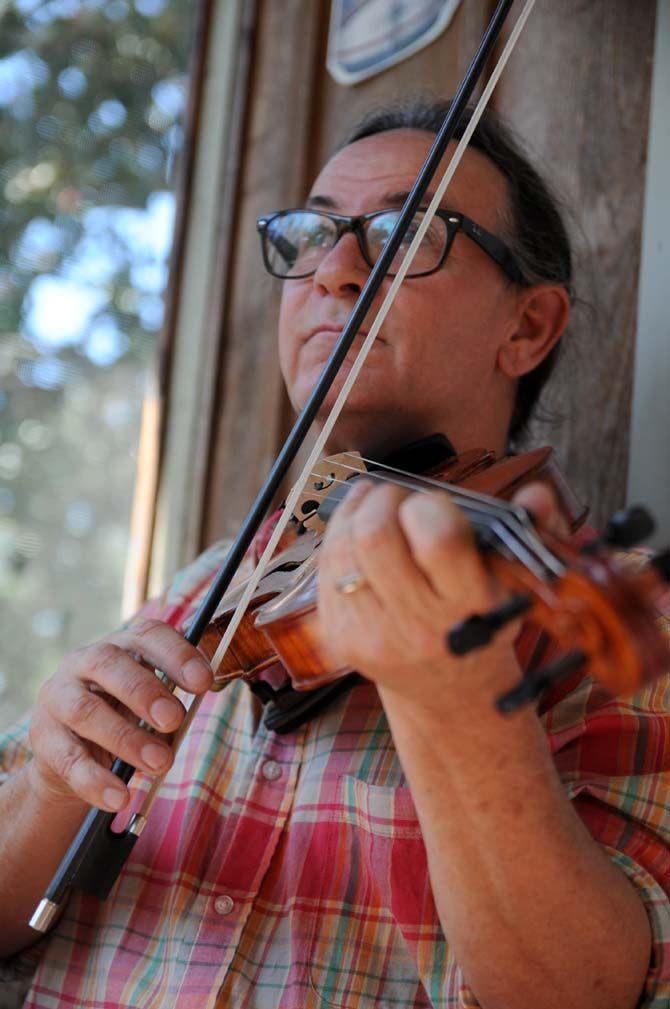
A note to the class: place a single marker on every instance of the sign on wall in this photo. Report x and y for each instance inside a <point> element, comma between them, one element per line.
<point>367,36</point>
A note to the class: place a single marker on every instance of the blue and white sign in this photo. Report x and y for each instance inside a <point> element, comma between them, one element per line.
<point>368,36</point>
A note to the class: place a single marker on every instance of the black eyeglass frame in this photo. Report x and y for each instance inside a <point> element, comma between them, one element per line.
<point>494,247</point>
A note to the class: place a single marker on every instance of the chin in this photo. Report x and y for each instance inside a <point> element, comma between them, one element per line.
<point>362,400</point>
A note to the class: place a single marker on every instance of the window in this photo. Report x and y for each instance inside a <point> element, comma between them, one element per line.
<point>91,100</point>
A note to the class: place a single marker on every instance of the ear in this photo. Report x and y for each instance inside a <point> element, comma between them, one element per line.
<point>542,315</point>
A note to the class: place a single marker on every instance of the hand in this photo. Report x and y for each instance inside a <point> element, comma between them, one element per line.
<point>87,713</point>
<point>423,573</point>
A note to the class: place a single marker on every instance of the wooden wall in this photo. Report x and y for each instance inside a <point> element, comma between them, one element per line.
<point>577,91</point>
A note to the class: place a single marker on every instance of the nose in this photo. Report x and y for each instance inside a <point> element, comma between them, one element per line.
<point>343,270</point>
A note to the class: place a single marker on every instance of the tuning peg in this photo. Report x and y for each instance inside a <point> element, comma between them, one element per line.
<point>625,529</point>
<point>628,527</point>
<point>662,564</point>
<point>535,682</point>
<point>479,630</point>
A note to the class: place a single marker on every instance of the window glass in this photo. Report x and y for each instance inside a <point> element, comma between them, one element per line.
<point>92,95</point>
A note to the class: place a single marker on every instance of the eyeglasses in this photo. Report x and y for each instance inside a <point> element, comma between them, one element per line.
<point>294,242</point>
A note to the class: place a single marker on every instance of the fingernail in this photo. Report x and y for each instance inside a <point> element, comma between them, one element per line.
<point>164,712</point>
<point>154,756</point>
<point>114,798</point>
<point>197,674</point>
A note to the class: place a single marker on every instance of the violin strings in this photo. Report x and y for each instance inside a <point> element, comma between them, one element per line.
<point>513,516</point>
<point>520,543</point>
<point>486,500</point>
<point>457,491</point>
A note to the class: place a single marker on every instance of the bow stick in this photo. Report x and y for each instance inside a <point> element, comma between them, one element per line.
<point>97,855</point>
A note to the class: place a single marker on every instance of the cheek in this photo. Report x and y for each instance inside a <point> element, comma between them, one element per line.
<point>289,309</point>
<point>425,330</point>
<point>445,327</point>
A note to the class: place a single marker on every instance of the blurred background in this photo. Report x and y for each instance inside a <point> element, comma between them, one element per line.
<point>92,94</point>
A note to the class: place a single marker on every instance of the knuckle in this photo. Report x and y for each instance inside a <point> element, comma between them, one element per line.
<point>72,764</point>
<point>146,628</point>
<point>105,656</point>
<point>83,709</point>
<point>123,739</point>
<point>414,516</point>
<point>434,522</point>
<point>390,495</point>
<point>136,687</point>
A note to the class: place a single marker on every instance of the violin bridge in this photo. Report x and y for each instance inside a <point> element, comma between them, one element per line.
<point>327,474</point>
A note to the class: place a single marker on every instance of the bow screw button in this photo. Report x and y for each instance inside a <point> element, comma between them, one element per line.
<point>625,529</point>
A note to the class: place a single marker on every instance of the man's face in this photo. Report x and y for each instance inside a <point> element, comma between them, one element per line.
<point>434,366</point>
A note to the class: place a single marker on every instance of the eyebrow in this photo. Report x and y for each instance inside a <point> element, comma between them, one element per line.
<point>390,199</point>
<point>321,201</point>
<point>399,197</point>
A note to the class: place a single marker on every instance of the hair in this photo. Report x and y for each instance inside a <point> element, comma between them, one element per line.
<point>536,233</point>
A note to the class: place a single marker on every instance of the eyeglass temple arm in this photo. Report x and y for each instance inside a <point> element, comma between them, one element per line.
<point>496,249</point>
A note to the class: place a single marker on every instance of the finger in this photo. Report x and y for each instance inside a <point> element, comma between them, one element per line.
<point>383,556</point>
<point>540,500</point>
<point>165,649</point>
<point>65,765</point>
<point>339,520</point>
<point>92,719</point>
<point>443,545</point>
<point>119,675</point>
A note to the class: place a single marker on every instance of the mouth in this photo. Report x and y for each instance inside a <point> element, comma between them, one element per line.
<point>332,332</point>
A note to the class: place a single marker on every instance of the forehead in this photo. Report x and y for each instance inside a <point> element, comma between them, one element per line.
<point>363,176</point>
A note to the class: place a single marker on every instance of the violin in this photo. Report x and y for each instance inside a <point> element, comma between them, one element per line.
<point>597,611</point>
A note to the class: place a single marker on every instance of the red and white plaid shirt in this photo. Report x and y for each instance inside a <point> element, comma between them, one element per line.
<point>289,872</point>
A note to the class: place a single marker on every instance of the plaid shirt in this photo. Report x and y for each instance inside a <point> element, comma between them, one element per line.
<point>289,872</point>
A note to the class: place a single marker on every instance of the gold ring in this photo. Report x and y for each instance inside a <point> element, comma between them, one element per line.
<point>350,583</point>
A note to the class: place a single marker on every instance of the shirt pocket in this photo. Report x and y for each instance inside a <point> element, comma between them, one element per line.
<point>377,940</point>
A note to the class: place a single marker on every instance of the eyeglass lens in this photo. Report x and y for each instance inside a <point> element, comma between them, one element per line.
<point>298,241</point>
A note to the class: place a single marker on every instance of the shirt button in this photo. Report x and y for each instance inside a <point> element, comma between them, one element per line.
<point>271,770</point>
<point>224,904</point>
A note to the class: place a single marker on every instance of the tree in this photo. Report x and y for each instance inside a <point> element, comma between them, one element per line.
<point>91,94</point>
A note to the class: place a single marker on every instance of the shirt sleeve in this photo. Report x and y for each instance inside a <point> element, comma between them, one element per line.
<point>16,972</point>
<point>14,747</point>
<point>613,756</point>
<point>174,606</point>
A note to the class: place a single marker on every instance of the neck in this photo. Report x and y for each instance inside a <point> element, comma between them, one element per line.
<point>377,440</point>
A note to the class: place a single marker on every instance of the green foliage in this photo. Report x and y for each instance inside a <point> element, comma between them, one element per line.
<point>91,99</point>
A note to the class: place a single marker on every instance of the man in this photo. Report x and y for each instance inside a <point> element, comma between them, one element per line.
<point>409,846</point>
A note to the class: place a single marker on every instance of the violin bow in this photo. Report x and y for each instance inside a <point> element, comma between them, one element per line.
<point>97,854</point>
